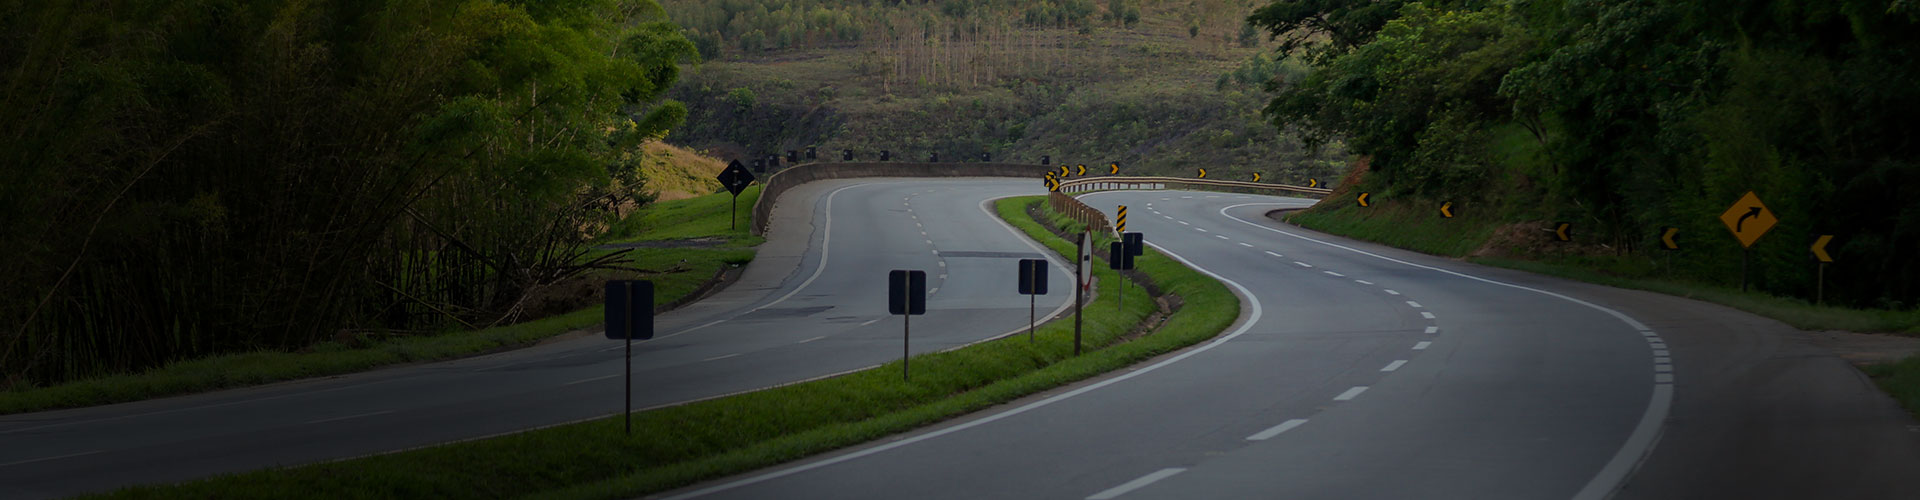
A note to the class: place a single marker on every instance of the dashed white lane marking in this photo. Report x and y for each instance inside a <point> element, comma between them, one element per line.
<point>1363,282</point>
<point>1351,393</point>
<point>1135,484</point>
<point>872,321</point>
<point>1303,264</point>
<point>1660,346</point>
<point>1395,365</point>
<point>1662,360</point>
<point>1276,430</point>
<point>936,252</point>
<point>943,263</point>
<point>720,357</point>
<point>585,380</point>
<point>1245,244</point>
<point>1334,274</point>
<point>44,459</point>
<point>1663,378</point>
<point>1433,329</point>
<point>1412,304</point>
<point>1638,444</point>
<point>823,336</point>
<point>1425,314</point>
<point>1663,368</point>
<point>1167,217</point>
<point>943,275</point>
<point>1220,236</point>
<point>1184,223</point>
<point>1203,230</point>
<point>929,242</point>
<point>933,291</point>
<point>1661,353</point>
<point>1389,291</point>
<point>1270,252</point>
<point>348,417</point>
<point>1421,345</point>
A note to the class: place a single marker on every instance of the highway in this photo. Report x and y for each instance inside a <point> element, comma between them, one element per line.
<point>812,304</point>
<point>1361,371</point>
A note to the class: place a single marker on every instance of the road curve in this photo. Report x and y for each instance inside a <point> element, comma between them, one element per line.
<point>812,304</point>
<point>1360,371</point>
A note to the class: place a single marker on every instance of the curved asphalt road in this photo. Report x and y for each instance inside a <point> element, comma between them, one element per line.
<point>812,304</point>
<point>1359,371</point>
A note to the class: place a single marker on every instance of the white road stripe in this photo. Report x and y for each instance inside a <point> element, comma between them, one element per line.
<point>1395,365</point>
<point>1425,314</point>
<point>44,459</point>
<point>1351,393</point>
<point>1389,291</point>
<point>822,336</point>
<point>1421,345</point>
<point>1245,244</point>
<point>1661,353</point>
<point>1433,329</point>
<point>336,419</point>
<point>1200,230</point>
<point>1135,484</point>
<point>1363,282</point>
<point>1184,223</point>
<point>1412,304</point>
<point>1270,252</point>
<point>1276,430</point>
<point>1334,274</point>
<point>717,358</point>
<point>1303,264</point>
<point>585,380</point>
<point>1219,236</point>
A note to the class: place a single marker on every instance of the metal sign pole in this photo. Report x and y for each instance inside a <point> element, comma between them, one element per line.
<point>629,334</point>
<point>733,217</point>
<point>906,336</point>
<point>1031,301</point>
<point>1820,285</point>
<point>1079,286</point>
<point>1744,253</point>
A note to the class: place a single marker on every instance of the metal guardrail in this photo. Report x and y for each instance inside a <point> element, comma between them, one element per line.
<point>1091,184</point>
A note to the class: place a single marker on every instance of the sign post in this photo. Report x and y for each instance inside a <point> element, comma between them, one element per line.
<point>1820,272</point>
<point>1079,286</point>
<point>906,296</point>
<point>735,178</point>
<point>1033,281</point>
<point>629,316</point>
<point>1748,219</point>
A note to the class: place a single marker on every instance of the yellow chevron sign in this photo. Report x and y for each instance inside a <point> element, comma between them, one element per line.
<point>1314,183</point>
<point>1446,210</point>
<point>1083,170</point>
<point>1256,177</point>
<point>1113,169</point>
<point>1363,199</point>
<point>1820,248</point>
<point>1203,173</point>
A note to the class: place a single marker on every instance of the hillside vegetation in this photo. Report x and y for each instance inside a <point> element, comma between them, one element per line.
<point>191,178</point>
<point>1161,87</point>
<point>1623,118</point>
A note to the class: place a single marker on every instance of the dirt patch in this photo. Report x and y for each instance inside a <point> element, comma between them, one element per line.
<point>1865,348</point>
<point>707,242</point>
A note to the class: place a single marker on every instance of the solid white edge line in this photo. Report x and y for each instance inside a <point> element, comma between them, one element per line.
<point>815,338</point>
<point>44,459</point>
<point>337,419</point>
<point>1246,297</point>
<point>1639,443</point>
<point>1276,430</point>
<point>1351,393</point>
<point>720,357</point>
<point>585,380</point>
<point>1135,484</point>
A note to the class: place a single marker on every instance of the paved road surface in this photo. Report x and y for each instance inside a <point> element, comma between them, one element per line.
<point>1359,371</point>
<point>791,317</point>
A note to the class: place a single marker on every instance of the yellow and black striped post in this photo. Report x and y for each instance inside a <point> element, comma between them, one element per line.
<point>1120,221</point>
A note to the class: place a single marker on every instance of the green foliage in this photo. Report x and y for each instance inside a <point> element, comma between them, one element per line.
<point>208,176</point>
<point>1637,115</point>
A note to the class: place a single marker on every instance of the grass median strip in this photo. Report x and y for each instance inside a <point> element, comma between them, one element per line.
<point>679,272</point>
<point>677,446</point>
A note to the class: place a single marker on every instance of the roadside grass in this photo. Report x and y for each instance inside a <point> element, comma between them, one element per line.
<point>698,217</point>
<point>681,445</point>
<point>1417,228</point>
<point>676,272</point>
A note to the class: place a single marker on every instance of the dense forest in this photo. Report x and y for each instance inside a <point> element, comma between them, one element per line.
<point>1632,115</point>
<point>203,176</point>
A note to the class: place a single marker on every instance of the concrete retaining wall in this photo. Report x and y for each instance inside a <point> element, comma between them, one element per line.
<point>778,183</point>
